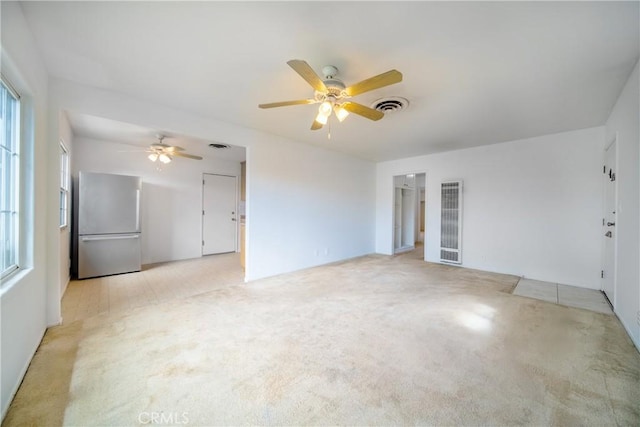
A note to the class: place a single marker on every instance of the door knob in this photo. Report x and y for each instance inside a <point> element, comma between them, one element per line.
<point>608,234</point>
<point>610,224</point>
<point>233,219</point>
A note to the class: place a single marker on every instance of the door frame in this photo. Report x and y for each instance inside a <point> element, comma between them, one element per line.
<point>613,144</point>
<point>393,210</point>
<point>236,213</point>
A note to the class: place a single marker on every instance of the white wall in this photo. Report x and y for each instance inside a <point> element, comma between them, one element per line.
<point>171,208</point>
<point>23,300</point>
<point>530,207</point>
<point>309,206</point>
<point>66,135</point>
<point>286,182</point>
<point>625,122</point>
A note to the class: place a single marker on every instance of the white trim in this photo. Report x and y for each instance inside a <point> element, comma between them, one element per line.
<point>16,167</point>
<point>393,211</point>
<point>9,86</point>
<point>614,267</point>
<point>64,183</point>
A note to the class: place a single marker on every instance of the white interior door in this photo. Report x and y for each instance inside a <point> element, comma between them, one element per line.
<point>219,214</point>
<point>609,224</point>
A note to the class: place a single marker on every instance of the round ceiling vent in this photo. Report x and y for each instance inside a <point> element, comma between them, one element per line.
<point>219,146</point>
<point>388,105</point>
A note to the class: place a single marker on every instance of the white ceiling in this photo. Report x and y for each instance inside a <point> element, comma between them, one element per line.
<point>474,72</point>
<point>86,126</point>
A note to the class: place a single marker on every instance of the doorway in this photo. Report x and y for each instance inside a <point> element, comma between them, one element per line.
<point>408,211</point>
<point>219,214</point>
<point>609,223</point>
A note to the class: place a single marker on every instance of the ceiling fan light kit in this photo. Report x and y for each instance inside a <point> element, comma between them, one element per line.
<point>333,95</point>
<point>162,157</point>
<point>165,153</point>
<point>341,113</point>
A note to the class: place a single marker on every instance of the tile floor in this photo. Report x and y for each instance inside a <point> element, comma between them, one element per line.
<point>572,296</point>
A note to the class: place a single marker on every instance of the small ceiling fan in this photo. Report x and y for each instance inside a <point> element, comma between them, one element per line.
<point>164,153</point>
<point>334,96</point>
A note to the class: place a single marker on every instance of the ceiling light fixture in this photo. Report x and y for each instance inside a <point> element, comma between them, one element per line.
<point>324,111</point>
<point>341,113</point>
<point>326,107</point>
<point>322,118</point>
<point>165,153</point>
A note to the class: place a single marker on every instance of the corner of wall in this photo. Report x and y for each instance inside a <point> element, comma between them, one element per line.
<point>623,124</point>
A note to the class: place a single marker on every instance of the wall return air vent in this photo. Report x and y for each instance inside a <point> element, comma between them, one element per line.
<point>451,222</point>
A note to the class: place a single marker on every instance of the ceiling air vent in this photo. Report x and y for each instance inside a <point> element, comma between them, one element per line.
<point>219,146</point>
<point>388,105</point>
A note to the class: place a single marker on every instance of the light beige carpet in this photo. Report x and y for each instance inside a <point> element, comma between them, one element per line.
<point>373,341</point>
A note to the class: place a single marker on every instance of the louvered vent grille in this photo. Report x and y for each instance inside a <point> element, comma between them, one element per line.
<point>450,222</point>
<point>448,256</point>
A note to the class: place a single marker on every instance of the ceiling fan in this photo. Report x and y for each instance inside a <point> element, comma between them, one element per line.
<point>164,153</point>
<point>334,96</point>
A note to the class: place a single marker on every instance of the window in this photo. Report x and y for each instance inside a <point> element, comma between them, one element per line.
<point>9,181</point>
<point>64,186</point>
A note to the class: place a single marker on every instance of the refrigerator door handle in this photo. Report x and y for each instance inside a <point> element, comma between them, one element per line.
<point>138,210</point>
<point>89,239</point>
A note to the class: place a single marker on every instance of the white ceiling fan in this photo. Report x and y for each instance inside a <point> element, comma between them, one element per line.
<point>165,153</point>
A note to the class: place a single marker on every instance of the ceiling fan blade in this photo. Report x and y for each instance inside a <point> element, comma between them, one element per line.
<point>361,110</point>
<point>316,125</point>
<point>188,156</point>
<point>173,148</point>
<point>376,82</point>
<point>286,103</point>
<point>307,73</point>
<point>165,147</point>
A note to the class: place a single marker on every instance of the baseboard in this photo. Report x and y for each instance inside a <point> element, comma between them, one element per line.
<point>23,372</point>
<point>64,289</point>
<point>403,249</point>
<point>635,341</point>
<point>248,278</point>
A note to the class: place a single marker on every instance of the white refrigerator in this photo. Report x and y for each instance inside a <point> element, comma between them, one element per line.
<point>108,224</point>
